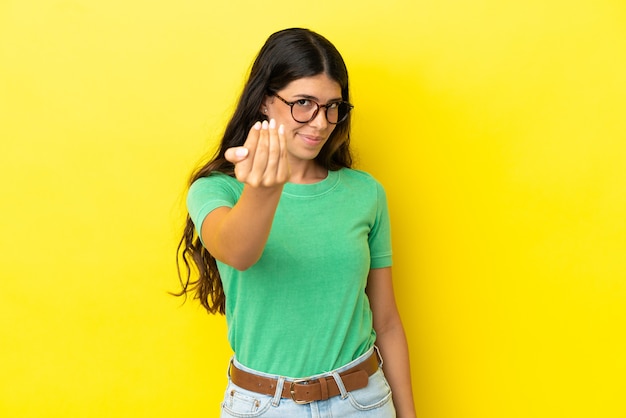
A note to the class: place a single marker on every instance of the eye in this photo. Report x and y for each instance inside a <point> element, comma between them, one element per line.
<point>333,105</point>
<point>304,103</point>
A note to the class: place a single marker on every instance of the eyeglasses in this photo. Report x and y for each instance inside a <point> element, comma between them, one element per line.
<point>305,110</point>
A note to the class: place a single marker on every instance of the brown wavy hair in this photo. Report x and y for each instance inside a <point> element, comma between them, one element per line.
<point>286,56</point>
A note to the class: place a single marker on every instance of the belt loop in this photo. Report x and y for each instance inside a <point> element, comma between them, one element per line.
<point>279,391</point>
<point>230,364</point>
<point>342,388</point>
<point>380,358</point>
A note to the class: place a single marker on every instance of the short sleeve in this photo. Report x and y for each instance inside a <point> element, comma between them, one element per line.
<point>209,193</point>
<point>380,234</point>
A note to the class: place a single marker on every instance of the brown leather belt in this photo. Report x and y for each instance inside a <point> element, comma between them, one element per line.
<point>305,391</point>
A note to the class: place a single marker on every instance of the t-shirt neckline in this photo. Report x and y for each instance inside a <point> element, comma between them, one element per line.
<point>312,189</point>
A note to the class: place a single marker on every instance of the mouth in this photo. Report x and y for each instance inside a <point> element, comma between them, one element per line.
<point>312,140</point>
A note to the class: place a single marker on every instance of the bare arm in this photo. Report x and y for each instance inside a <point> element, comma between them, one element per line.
<point>237,235</point>
<point>391,340</point>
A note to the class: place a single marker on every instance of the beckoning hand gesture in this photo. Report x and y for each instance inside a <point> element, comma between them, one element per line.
<point>262,160</point>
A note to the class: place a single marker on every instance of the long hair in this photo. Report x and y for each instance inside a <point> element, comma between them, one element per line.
<point>286,56</point>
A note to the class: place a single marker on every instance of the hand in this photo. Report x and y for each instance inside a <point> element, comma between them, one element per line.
<point>262,160</point>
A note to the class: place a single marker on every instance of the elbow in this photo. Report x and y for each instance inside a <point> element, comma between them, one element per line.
<point>389,325</point>
<point>239,259</point>
<point>241,263</point>
<point>240,266</point>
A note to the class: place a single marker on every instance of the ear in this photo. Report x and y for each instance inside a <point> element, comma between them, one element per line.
<point>266,101</point>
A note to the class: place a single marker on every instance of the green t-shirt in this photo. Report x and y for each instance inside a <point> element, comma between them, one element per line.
<point>302,308</point>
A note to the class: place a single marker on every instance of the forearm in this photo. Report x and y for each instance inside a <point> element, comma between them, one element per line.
<point>394,350</point>
<point>238,236</point>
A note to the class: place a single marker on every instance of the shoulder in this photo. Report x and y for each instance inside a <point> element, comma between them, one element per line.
<point>208,193</point>
<point>215,187</point>
<point>215,176</point>
<point>215,179</point>
<point>360,178</point>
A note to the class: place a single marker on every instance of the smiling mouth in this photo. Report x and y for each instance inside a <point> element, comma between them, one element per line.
<point>311,139</point>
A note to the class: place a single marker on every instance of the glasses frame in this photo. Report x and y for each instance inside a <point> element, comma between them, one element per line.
<point>319,106</point>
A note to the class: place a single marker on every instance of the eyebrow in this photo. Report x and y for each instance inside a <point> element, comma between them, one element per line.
<point>307,96</point>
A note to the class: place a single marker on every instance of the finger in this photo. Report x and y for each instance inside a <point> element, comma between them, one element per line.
<point>243,167</point>
<point>259,162</point>
<point>236,154</point>
<point>253,138</point>
<point>284,170</point>
<point>273,156</point>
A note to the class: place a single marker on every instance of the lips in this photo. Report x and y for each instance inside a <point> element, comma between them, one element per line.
<point>311,139</point>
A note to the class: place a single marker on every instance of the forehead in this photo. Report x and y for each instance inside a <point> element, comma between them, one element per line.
<point>319,86</point>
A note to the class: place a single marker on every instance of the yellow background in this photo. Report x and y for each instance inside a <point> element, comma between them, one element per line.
<point>497,127</point>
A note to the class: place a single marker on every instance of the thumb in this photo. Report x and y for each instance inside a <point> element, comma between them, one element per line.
<point>236,154</point>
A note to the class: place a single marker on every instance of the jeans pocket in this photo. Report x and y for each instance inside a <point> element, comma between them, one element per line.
<point>243,403</point>
<point>376,394</point>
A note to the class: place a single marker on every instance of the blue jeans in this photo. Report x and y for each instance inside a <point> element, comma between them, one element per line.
<point>373,401</point>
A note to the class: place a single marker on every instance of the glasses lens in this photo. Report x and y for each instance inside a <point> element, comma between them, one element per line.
<point>338,113</point>
<point>304,110</point>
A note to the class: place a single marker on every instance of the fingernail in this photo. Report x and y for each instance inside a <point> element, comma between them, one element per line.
<point>241,152</point>
<point>257,126</point>
<point>272,124</point>
<point>264,124</point>
<point>281,129</point>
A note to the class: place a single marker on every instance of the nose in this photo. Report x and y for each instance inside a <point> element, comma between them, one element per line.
<point>320,121</point>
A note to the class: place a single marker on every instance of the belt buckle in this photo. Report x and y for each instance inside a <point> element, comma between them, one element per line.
<point>293,392</point>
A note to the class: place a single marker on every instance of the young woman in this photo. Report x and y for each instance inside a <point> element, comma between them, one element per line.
<point>294,247</point>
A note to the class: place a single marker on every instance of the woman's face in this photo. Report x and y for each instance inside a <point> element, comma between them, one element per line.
<point>304,140</point>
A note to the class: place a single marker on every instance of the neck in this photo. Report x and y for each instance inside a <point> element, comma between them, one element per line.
<point>304,172</point>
